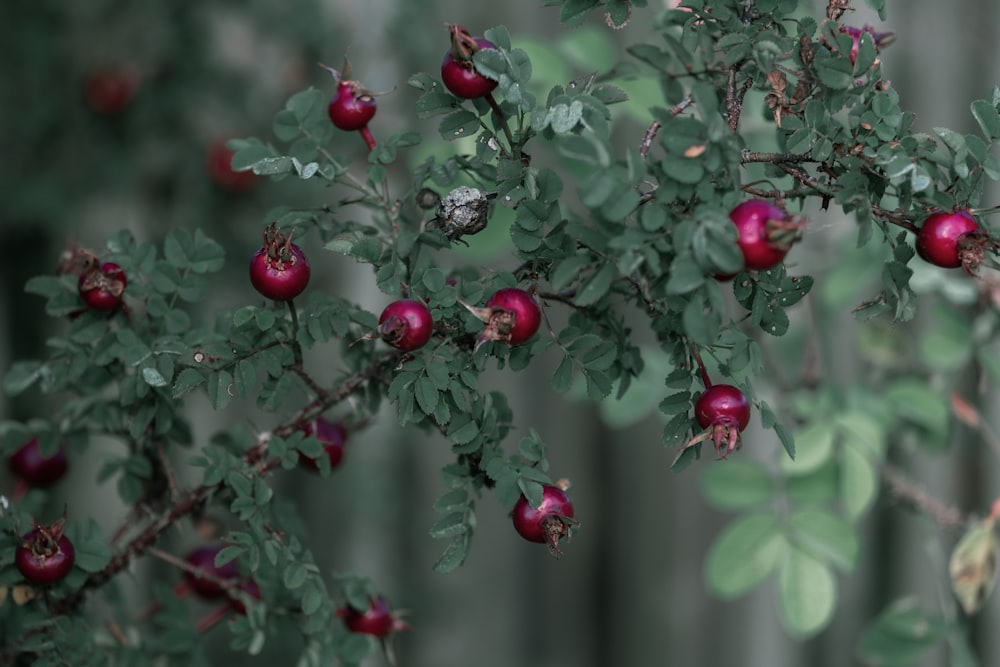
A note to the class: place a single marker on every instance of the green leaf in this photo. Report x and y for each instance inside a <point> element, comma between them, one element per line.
<point>562,379</point>
<point>807,593</point>
<point>744,554</point>
<point>813,447</point>
<point>92,551</point>
<point>153,377</point>
<point>453,556</point>
<point>901,634</point>
<point>186,380</point>
<point>295,576</point>
<point>219,389</point>
<point>463,430</point>
<point>457,124</point>
<point>987,117</point>
<point>22,374</point>
<point>826,536</point>
<point>426,394</point>
<point>434,103</point>
<point>739,484</point>
<point>597,286</point>
<point>858,481</point>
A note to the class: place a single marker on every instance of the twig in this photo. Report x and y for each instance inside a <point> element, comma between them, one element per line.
<point>903,488</point>
<point>647,138</point>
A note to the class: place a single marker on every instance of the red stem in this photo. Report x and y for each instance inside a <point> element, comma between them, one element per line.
<point>702,371</point>
<point>366,134</point>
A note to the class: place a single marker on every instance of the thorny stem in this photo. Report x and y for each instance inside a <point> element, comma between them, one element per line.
<point>903,488</point>
<point>735,95</point>
<point>647,139</point>
<point>492,101</point>
<point>296,348</point>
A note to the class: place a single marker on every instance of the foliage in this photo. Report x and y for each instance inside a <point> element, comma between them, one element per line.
<point>602,237</point>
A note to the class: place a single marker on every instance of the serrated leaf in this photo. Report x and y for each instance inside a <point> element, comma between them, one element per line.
<point>453,556</point>
<point>987,117</point>
<point>92,551</point>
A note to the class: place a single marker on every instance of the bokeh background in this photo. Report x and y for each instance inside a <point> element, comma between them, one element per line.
<point>629,590</point>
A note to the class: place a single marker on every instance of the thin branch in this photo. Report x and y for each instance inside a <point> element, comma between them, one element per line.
<point>748,156</point>
<point>190,501</point>
<point>905,489</point>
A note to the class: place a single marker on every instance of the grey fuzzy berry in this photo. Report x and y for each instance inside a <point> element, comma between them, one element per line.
<point>463,211</point>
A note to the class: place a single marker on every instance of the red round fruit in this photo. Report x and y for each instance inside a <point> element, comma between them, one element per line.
<point>219,162</point>
<point>279,269</point>
<point>377,620</point>
<point>333,435</point>
<point>513,317</point>
<point>28,464</point>
<point>352,107</point>
<point>458,72</point>
<point>45,555</point>
<point>203,558</point>
<point>765,234</point>
<point>722,405</point>
<point>946,239</point>
<point>102,286</point>
<point>548,522</point>
<point>406,324</point>
<point>109,91</point>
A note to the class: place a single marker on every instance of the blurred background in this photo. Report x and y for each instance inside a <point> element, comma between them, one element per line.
<point>111,117</point>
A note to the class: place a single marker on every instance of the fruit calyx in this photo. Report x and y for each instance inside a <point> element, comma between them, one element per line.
<point>278,248</point>
<point>463,45</point>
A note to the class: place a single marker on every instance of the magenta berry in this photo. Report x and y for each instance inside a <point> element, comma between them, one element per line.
<point>352,107</point>
<point>549,522</point>
<point>723,411</point>
<point>881,39</point>
<point>511,315</point>
<point>45,555</point>
<point>765,233</point>
<point>951,239</point>
<point>333,435</point>
<point>406,324</point>
<point>457,70</point>
<point>28,465</point>
<point>279,269</point>
<point>377,620</point>
<point>101,287</point>
<point>203,558</point>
